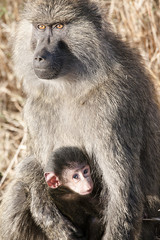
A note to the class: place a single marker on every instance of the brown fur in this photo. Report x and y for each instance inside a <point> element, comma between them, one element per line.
<point>31,207</point>
<point>83,210</point>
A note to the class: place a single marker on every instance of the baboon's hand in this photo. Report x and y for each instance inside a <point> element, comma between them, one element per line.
<point>78,235</point>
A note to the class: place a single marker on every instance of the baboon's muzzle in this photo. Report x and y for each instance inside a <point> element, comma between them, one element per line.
<point>47,65</point>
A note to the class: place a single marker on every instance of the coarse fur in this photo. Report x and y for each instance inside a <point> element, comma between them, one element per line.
<point>101,99</point>
<point>82,210</point>
<point>30,208</point>
<point>65,158</point>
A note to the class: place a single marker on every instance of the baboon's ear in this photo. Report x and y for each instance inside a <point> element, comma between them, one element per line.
<point>52,180</point>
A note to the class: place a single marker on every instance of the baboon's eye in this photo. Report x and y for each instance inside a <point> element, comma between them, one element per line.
<point>41,27</point>
<point>59,26</point>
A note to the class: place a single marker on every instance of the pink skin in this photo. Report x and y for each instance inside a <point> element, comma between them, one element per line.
<point>77,179</point>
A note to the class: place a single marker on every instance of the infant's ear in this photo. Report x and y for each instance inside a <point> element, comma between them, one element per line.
<point>52,180</point>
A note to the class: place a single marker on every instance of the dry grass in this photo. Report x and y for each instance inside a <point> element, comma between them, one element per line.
<point>11,101</point>
<point>137,21</point>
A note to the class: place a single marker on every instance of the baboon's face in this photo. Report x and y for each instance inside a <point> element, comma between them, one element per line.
<point>64,39</point>
<point>51,53</point>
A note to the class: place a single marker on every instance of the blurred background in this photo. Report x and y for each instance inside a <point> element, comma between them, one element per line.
<point>137,21</point>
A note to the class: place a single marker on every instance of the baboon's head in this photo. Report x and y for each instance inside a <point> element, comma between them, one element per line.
<point>62,37</point>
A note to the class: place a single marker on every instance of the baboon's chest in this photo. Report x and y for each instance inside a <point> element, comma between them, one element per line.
<point>54,125</point>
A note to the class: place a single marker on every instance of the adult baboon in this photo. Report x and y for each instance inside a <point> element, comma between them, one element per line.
<point>87,88</point>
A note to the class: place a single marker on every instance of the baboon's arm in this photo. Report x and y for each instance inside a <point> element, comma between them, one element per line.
<point>42,207</point>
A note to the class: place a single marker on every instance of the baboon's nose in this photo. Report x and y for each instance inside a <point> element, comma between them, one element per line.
<point>42,61</point>
<point>46,65</point>
<point>39,59</point>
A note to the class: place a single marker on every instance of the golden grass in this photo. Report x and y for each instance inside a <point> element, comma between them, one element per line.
<point>138,21</point>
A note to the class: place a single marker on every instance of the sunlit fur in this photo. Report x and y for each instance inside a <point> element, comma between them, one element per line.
<point>105,103</point>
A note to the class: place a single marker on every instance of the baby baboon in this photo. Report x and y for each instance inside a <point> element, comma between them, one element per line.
<point>69,168</point>
<point>87,88</point>
<point>75,195</point>
<point>30,208</point>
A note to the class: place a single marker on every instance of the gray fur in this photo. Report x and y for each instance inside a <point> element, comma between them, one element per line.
<point>30,210</point>
<point>104,102</point>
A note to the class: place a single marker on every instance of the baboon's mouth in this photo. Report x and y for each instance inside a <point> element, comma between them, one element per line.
<point>44,73</point>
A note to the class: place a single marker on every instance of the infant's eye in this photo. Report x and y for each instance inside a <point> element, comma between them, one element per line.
<point>59,26</point>
<point>41,27</point>
<point>85,171</point>
<point>75,176</point>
